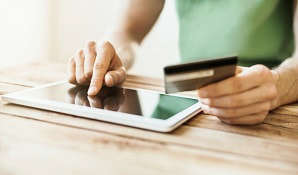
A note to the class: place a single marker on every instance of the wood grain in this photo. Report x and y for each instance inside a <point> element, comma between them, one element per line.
<point>265,130</point>
<point>54,149</point>
<point>201,143</point>
<point>192,137</point>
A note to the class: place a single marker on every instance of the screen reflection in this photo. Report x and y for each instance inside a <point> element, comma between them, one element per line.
<point>114,99</point>
<point>138,102</point>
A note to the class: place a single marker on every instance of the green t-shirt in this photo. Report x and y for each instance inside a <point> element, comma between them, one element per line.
<point>258,31</point>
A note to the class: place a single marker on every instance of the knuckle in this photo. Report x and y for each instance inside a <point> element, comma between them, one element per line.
<point>261,67</point>
<point>88,74</point>
<point>99,66</point>
<point>107,47</point>
<point>237,84</point>
<point>264,71</point>
<point>272,92</point>
<point>270,76</point>
<point>91,49</point>
<point>91,44</point>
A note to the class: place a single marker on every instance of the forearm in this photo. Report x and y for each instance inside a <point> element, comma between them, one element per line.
<point>287,72</point>
<point>125,47</point>
<point>287,81</point>
<point>134,22</point>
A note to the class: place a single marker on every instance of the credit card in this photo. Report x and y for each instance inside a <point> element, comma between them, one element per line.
<point>194,75</point>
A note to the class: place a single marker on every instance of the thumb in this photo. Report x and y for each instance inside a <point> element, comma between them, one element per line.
<point>115,77</point>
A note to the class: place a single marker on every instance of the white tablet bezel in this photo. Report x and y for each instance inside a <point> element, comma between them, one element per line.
<point>104,115</point>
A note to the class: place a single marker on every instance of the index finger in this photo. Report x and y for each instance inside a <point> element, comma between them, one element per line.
<point>101,65</point>
<point>243,81</point>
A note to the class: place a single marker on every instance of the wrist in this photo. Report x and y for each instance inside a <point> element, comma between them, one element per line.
<point>125,47</point>
<point>286,81</point>
<point>127,54</point>
<point>276,79</point>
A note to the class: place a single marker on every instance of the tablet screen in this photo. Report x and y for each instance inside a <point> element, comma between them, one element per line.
<point>138,102</point>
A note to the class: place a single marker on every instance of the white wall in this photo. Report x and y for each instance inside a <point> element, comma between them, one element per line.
<point>24,31</point>
<point>81,20</point>
<point>160,48</point>
<point>55,29</point>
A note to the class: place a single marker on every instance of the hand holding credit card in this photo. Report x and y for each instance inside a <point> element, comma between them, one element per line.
<point>194,75</point>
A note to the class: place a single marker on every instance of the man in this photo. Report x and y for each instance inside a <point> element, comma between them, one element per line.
<point>260,32</point>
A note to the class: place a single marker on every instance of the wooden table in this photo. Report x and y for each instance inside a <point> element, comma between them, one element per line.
<point>35,141</point>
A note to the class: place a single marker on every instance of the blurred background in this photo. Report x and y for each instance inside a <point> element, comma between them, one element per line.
<point>40,30</point>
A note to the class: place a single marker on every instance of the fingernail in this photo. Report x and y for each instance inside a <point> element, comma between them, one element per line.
<point>91,90</point>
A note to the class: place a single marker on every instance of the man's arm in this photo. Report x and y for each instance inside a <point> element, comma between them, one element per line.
<point>107,63</point>
<point>248,97</point>
<point>287,79</point>
<point>136,19</point>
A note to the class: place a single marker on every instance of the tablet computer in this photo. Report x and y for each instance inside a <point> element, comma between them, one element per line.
<point>133,107</point>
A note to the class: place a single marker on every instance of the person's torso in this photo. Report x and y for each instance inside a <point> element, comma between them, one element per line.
<point>258,31</point>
